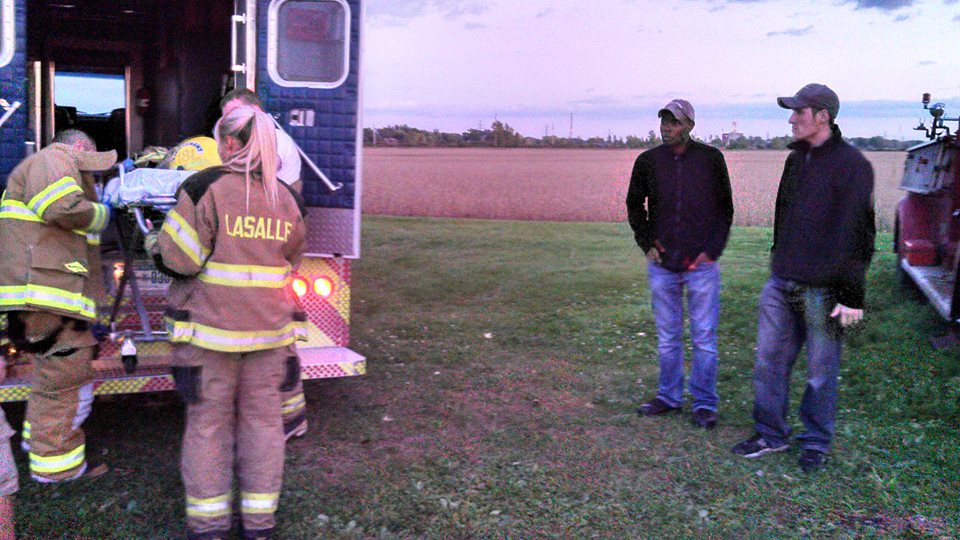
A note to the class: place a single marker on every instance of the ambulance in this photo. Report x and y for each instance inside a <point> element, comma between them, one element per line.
<point>169,62</point>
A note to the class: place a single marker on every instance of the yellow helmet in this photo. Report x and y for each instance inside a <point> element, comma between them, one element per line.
<point>193,154</point>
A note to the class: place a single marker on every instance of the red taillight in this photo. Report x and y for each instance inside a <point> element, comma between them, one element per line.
<point>323,286</point>
<point>300,286</point>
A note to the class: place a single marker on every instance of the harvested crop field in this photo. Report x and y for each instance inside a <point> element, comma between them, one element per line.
<point>564,185</point>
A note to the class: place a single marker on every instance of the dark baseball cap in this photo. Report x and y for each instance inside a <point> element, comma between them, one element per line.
<point>814,95</point>
<point>681,109</point>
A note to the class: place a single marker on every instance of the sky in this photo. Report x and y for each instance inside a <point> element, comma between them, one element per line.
<point>453,65</point>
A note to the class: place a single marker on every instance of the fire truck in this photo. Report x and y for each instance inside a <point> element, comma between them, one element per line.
<point>927,234</point>
<point>174,59</point>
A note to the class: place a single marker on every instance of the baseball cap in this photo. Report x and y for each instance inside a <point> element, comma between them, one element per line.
<point>681,109</point>
<point>813,95</point>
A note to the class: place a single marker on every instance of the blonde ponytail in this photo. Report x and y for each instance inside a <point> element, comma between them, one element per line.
<point>257,157</point>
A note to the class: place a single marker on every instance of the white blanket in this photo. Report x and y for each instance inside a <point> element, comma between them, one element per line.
<point>144,186</point>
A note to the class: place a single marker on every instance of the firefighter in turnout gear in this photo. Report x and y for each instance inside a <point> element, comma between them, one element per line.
<point>231,244</point>
<point>294,404</point>
<point>50,284</point>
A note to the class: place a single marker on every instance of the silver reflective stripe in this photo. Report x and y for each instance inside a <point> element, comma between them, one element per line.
<point>18,210</point>
<point>100,218</point>
<point>52,194</point>
<point>84,405</point>
<point>208,337</point>
<point>293,404</point>
<point>185,237</point>
<point>259,503</point>
<point>58,463</point>
<point>244,275</point>
<point>209,507</point>
<point>41,295</point>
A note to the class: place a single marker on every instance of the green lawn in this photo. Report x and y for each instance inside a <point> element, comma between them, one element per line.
<point>505,360</point>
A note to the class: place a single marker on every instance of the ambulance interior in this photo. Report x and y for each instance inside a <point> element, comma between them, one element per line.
<point>163,63</point>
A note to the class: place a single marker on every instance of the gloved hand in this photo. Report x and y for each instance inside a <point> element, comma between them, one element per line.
<point>151,243</point>
<point>111,192</point>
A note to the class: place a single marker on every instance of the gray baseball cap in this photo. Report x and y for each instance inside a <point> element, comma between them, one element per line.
<point>813,95</point>
<point>681,109</point>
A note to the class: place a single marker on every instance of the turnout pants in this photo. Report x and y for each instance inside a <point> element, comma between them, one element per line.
<point>294,405</point>
<point>233,424</point>
<point>61,397</point>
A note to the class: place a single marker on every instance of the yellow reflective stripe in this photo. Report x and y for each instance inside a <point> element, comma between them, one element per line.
<point>17,210</point>
<point>259,503</point>
<point>294,404</point>
<point>93,239</point>
<point>40,295</point>
<point>52,194</point>
<point>58,463</point>
<point>185,237</point>
<point>100,218</point>
<point>217,339</point>
<point>26,430</point>
<point>246,275</point>
<point>76,267</point>
<point>211,507</point>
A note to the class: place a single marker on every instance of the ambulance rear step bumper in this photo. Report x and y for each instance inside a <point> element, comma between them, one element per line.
<point>153,374</point>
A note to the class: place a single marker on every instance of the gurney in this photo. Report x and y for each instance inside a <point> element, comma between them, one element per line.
<point>141,198</point>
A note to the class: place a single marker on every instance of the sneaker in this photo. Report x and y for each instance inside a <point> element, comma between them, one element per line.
<point>704,418</point>
<point>654,407</point>
<point>811,460</point>
<point>757,446</point>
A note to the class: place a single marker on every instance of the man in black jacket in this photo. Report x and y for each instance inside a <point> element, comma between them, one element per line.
<point>822,244</point>
<point>682,231</point>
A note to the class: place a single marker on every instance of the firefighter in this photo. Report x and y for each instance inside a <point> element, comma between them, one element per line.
<point>50,284</point>
<point>293,402</point>
<point>231,243</point>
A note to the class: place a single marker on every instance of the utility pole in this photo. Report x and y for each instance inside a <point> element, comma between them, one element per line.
<point>571,127</point>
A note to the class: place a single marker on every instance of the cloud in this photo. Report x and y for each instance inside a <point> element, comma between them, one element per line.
<point>901,18</point>
<point>885,5</point>
<point>545,13</point>
<point>956,18</point>
<point>792,32</point>
<point>927,63</point>
<point>408,9</point>
<point>473,26</point>
<point>463,8</point>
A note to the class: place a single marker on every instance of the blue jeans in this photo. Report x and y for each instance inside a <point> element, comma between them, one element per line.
<point>703,303</point>
<point>792,315</point>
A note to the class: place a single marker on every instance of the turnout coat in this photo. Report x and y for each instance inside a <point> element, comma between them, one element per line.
<point>232,258</point>
<point>50,225</point>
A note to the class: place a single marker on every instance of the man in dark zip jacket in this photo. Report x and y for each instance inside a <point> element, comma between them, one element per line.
<point>822,244</point>
<point>682,230</point>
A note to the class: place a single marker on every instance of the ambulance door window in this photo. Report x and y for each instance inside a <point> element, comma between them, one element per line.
<point>308,43</point>
<point>7,31</point>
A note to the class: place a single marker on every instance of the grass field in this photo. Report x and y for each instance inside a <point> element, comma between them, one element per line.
<point>505,360</point>
<point>565,185</point>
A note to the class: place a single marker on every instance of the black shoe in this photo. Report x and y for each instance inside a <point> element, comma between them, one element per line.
<point>757,446</point>
<point>811,460</point>
<point>704,418</point>
<point>654,407</point>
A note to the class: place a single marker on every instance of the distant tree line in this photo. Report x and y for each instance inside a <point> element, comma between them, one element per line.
<point>501,135</point>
